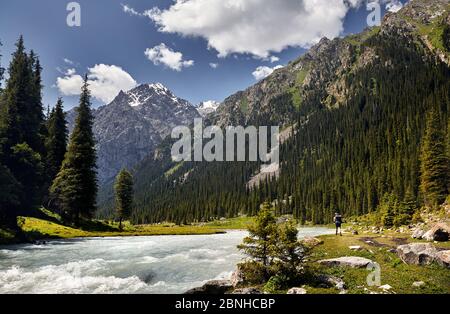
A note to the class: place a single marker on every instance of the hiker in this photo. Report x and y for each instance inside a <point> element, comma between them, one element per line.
<point>338,222</point>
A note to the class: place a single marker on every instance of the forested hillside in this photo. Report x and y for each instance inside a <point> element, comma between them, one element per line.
<point>371,132</point>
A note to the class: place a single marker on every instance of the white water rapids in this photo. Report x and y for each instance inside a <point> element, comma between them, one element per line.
<point>158,264</point>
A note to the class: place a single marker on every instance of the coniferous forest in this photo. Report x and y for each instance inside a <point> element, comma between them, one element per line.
<point>385,147</point>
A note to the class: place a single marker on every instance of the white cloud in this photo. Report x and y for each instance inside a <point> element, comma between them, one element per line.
<point>214,65</point>
<point>70,72</point>
<point>105,82</point>
<point>274,59</point>
<point>257,27</point>
<point>394,6</point>
<point>127,9</point>
<point>262,72</point>
<point>68,61</point>
<point>162,54</point>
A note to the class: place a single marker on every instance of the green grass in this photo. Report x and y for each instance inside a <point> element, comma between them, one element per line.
<point>173,169</point>
<point>240,223</point>
<point>244,105</point>
<point>37,229</point>
<point>393,271</point>
<point>52,228</point>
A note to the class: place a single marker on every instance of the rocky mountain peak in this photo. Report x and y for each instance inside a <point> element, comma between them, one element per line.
<point>129,128</point>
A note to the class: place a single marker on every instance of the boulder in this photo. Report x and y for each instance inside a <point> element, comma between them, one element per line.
<point>237,278</point>
<point>355,248</point>
<point>418,233</point>
<point>443,258</point>
<point>212,287</point>
<point>296,291</point>
<point>418,284</point>
<point>251,290</point>
<point>417,253</point>
<point>440,232</point>
<point>311,241</point>
<point>385,287</point>
<point>333,281</point>
<point>347,261</point>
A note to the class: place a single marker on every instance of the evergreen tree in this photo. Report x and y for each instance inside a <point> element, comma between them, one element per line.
<point>261,239</point>
<point>75,186</point>
<point>2,71</point>
<point>288,252</point>
<point>21,120</point>
<point>56,141</point>
<point>434,161</point>
<point>123,188</point>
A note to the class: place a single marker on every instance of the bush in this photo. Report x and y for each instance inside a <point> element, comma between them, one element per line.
<point>254,272</point>
<point>276,284</point>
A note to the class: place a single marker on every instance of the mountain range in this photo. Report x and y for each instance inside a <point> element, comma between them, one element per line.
<point>133,125</point>
<point>355,107</point>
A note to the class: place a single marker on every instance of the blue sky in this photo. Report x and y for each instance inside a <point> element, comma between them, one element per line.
<point>118,37</point>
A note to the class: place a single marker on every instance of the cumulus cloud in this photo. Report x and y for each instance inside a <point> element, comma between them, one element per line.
<point>68,61</point>
<point>105,82</point>
<point>127,9</point>
<point>162,54</point>
<point>256,27</point>
<point>214,65</point>
<point>262,72</point>
<point>274,59</point>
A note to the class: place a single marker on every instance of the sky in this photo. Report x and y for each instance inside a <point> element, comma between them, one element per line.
<point>200,49</point>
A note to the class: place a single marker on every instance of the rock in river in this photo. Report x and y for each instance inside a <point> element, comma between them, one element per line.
<point>212,287</point>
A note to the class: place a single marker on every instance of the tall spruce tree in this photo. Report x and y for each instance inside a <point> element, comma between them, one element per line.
<point>75,187</point>
<point>21,120</point>
<point>2,71</point>
<point>56,141</point>
<point>123,188</point>
<point>259,243</point>
<point>434,160</point>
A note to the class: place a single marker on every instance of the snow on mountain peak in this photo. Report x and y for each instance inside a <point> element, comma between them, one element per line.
<point>207,107</point>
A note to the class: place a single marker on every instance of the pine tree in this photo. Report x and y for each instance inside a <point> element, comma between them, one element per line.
<point>75,187</point>
<point>20,124</point>
<point>2,71</point>
<point>56,141</point>
<point>123,188</point>
<point>260,241</point>
<point>288,252</point>
<point>434,161</point>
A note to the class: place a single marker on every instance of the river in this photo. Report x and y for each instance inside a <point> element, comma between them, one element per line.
<point>158,264</point>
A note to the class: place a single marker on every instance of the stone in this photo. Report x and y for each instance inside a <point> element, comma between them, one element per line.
<point>355,248</point>
<point>418,284</point>
<point>417,253</point>
<point>439,232</point>
<point>212,287</point>
<point>418,233</point>
<point>251,290</point>
<point>346,261</point>
<point>296,291</point>
<point>333,281</point>
<point>443,258</point>
<point>237,277</point>
<point>385,287</point>
<point>311,241</point>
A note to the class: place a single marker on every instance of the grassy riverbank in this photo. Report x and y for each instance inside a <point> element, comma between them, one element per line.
<point>376,247</point>
<point>50,226</point>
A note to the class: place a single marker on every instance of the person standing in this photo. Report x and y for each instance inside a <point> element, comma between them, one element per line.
<point>338,223</point>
